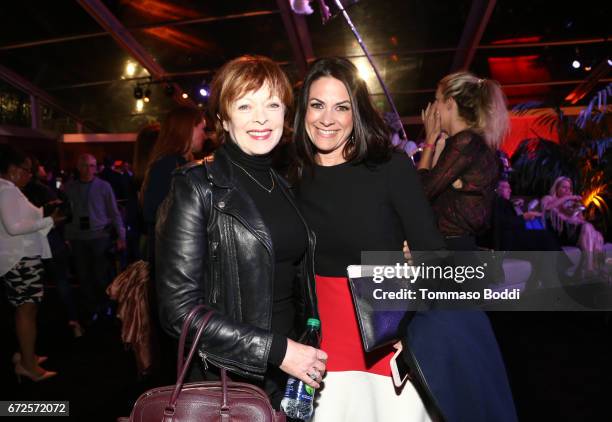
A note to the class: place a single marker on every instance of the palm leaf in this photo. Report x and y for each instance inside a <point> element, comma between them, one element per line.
<point>596,109</point>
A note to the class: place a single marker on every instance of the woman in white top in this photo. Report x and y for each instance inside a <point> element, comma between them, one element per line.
<point>564,211</point>
<point>23,242</point>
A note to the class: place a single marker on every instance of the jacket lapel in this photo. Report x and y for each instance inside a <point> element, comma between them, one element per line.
<point>228,198</point>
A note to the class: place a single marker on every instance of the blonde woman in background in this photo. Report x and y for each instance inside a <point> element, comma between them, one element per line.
<point>469,116</point>
<point>564,211</point>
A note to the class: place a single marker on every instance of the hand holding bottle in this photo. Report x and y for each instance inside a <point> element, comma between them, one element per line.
<point>301,361</point>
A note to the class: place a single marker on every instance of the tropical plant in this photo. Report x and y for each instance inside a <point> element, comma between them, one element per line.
<point>583,153</point>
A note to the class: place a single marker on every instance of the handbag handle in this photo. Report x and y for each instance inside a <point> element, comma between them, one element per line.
<point>185,332</point>
<point>183,365</point>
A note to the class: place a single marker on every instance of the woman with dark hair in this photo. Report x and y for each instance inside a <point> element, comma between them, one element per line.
<point>23,242</point>
<point>145,141</point>
<point>180,136</point>
<point>230,236</point>
<point>357,194</point>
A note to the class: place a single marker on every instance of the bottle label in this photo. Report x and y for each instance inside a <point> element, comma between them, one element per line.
<point>296,389</point>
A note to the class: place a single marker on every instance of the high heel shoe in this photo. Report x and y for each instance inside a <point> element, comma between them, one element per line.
<point>17,358</point>
<point>36,377</point>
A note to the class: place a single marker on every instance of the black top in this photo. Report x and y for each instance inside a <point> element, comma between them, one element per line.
<point>354,208</point>
<point>289,239</point>
<point>465,210</point>
<point>156,190</point>
<point>158,185</point>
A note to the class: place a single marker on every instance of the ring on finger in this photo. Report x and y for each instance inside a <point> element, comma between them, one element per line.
<point>314,374</point>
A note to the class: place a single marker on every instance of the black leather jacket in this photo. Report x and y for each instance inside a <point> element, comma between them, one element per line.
<point>213,248</point>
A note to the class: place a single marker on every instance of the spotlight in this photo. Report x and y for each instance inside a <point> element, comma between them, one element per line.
<point>609,62</point>
<point>587,68</point>
<point>204,89</point>
<point>185,95</point>
<point>138,92</point>
<point>364,71</point>
<point>576,64</point>
<point>130,69</point>
<point>147,96</point>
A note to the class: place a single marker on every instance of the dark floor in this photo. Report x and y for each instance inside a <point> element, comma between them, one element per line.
<point>559,364</point>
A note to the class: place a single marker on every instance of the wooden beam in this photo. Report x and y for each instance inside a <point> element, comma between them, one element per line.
<point>477,22</point>
<point>596,75</point>
<point>299,36</point>
<point>98,10</point>
<point>178,22</point>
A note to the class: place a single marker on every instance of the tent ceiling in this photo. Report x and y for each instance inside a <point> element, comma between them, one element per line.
<point>61,49</point>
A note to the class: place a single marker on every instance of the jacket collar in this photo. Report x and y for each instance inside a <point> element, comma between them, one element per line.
<point>219,170</point>
<point>230,200</point>
<point>220,173</point>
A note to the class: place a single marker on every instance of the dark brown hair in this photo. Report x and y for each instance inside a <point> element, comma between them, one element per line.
<point>371,142</point>
<point>145,141</point>
<point>175,135</point>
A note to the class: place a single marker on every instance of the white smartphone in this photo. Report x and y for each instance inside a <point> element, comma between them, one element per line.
<point>399,368</point>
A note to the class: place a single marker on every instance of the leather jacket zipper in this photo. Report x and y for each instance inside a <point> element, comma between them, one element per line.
<point>214,291</point>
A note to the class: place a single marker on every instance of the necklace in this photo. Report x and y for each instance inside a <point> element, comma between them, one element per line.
<point>254,179</point>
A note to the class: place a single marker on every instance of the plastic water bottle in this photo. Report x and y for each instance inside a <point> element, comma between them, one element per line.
<point>297,402</point>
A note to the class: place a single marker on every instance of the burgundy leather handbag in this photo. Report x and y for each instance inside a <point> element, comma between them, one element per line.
<point>205,401</point>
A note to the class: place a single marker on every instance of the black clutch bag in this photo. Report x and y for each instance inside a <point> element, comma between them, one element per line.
<point>381,322</point>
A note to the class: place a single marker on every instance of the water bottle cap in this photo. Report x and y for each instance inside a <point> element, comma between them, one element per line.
<point>313,322</point>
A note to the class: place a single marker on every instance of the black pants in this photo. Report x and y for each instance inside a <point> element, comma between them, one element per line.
<point>57,269</point>
<point>92,266</point>
<point>461,243</point>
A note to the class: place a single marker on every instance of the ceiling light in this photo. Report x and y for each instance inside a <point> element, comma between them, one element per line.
<point>364,70</point>
<point>130,69</point>
<point>576,64</point>
<point>185,95</point>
